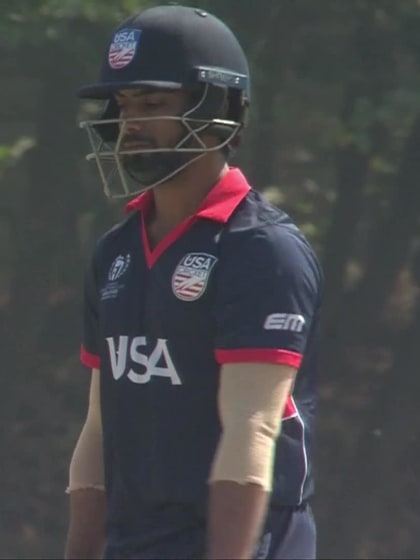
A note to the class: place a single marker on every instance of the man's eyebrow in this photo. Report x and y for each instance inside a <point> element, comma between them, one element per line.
<point>140,93</point>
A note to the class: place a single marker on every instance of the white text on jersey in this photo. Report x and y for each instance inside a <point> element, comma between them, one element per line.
<point>128,350</point>
<point>285,322</point>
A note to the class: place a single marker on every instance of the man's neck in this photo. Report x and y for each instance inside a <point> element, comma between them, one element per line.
<point>179,199</point>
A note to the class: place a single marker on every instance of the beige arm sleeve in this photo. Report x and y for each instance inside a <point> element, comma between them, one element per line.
<point>86,466</point>
<point>252,398</point>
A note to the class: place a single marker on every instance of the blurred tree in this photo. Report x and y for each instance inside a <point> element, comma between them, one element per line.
<point>369,75</point>
<point>44,40</point>
<point>385,49</point>
<point>42,52</point>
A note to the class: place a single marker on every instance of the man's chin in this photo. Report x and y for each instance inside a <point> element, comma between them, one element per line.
<point>143,168</point>
<point>144,163</point>
<point>148,169</point>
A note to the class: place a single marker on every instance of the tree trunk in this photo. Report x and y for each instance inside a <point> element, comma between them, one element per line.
<point>352,171</point>
<point>46,236</point>
<point>373,76</point>
<point>392,242</point>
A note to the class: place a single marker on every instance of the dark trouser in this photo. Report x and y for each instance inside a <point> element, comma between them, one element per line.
<point>289,534</point>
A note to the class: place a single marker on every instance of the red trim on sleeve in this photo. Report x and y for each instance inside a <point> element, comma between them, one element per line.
<point>290,410</point>
<point>266,355</point>
<point>88,359</point>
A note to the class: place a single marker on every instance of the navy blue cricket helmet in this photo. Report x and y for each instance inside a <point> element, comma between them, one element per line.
<point>168,47</point>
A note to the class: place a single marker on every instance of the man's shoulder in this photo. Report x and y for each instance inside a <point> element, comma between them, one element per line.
<point>115,242</point>
<point>120,233</point>
<point>255,212</point>
<point>259,233</point>
<point>257,221</point>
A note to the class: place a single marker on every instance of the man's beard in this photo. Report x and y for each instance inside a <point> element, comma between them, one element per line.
<point>150,168</point>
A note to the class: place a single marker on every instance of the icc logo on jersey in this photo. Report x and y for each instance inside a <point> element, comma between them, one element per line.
<point>190,278</point>
<point>118,267</point>
<point>113,287</point>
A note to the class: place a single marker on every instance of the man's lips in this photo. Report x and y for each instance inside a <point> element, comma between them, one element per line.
<point>134,144</point>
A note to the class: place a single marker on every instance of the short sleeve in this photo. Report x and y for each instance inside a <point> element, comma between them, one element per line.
<point>89,353</point>
<point>268,294</point>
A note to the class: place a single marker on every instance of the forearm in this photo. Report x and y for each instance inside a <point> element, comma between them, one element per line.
<point>251,402</point>
<point>86,534</point>
<point>236,515</point>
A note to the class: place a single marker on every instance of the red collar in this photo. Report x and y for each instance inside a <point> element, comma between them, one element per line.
<point>219,203</point>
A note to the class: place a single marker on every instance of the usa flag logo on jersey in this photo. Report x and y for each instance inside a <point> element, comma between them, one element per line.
<point>123,48</point>
<point>190,278</point>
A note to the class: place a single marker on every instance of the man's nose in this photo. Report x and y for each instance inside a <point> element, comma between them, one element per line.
<point>130,125</point>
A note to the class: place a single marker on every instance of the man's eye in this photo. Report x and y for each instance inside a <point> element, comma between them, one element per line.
<point>154,104</point>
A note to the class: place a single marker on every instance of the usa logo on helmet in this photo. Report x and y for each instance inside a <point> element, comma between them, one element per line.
<point>190,278</point>
<point>123,48</point>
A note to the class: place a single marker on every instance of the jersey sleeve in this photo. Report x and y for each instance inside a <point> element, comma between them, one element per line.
<point>89,352</point>
<point>268,293</point>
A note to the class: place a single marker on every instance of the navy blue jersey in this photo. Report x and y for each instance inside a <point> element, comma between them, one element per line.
<point>236,282</point>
